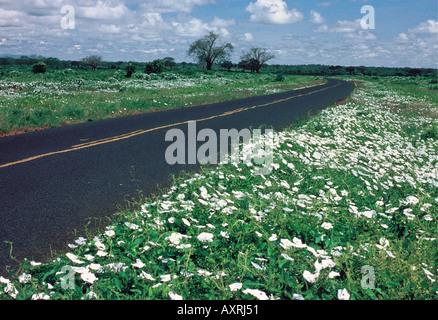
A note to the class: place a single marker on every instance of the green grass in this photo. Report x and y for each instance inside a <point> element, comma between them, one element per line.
<point>62,97</point>
<point>353,187</point>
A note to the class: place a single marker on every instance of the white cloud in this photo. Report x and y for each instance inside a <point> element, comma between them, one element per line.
<point>316,17</point>
<point>429,26</point>
<point>10,18</point>
<point>248,37</point>
<point>103,10</point>
<point>273,12</point>
<point>341,26</point>
<point>362,35</point>
<point>109,28</point>
<point>168,6</point>
<point>194,27</point>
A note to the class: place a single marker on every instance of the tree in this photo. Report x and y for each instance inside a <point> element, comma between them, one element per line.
<point>39,67</point>
<point>169,62</point>
<point>156,66</point>
<point>256,58</point>
<point>92,61</point>
<point>243,64</point>
<point>227,65</point>
<point>207,51</point>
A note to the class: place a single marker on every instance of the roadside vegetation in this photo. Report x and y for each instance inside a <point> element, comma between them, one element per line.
<point>349,211</point>
<point>60,97</point>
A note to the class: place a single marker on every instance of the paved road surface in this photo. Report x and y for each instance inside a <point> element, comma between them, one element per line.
<point>52,181</point>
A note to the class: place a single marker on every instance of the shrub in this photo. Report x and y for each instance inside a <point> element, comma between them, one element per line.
<point>156,66</point>
<point>39,67</point>
<point>130,69</point>
<point>279,77</point>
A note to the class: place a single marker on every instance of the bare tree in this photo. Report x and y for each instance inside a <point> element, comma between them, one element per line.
<point>256,58</point>
<point>207,51</point>
<point>92,61</point>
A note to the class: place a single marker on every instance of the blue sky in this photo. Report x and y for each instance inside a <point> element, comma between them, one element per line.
<point>297,32</point>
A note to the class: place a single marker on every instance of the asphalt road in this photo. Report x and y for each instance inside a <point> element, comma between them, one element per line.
<point>53,181</point>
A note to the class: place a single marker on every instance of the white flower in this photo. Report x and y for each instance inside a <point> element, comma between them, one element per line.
<point>325,263</point>
<point>165,277</point>
<point>297,243</point>
<point>317,155</point>
<point>24,278</point>
<point>256,293</point>
<point>4,280</point>
<point>284,184</point>
<point>74,258</point>
<point>327,225</point>
<point>132,226</point>
<point>88,277</point>
<point>99,245</point>
<point>273,237</point>
<point>221,203</point>
<point>95,266</point>
<point>40,296</point>
<point>287,257</point>
<point>333,274</point>
<point>384,242</point>
<point>110,233</point>
<point>175,296</point>
<point>138,264</point>
<point>175,237</point>
<point>81,240</point>
<point>310,277</point>
<point>146,276</point>
<point>204,192</point>
<point>297,296</point>
<point>101,253</point>
<point>412,200</point>
<point>257,266</point>
<point>186,222</point>
<point>205,237</point>
<point>343,294</point>
<point>224,234</point>
<point>235,286</point>
<point>285,243</point>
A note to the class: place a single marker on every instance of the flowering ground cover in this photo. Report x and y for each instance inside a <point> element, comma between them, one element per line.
<point>349,211</point>
<point>61,97</point>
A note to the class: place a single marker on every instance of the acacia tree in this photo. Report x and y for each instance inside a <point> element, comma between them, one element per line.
<point>92,61</point>
<point>256,58</point>
<point>207,51</point>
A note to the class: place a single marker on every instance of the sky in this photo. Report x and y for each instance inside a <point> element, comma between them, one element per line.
<point>391,33</point>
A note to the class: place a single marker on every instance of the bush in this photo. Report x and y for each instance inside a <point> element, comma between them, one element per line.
<point>280,77</point>
<point>130,69</point>
<point>39,67</point>
<point>156,66</point>
<point>142,76</point>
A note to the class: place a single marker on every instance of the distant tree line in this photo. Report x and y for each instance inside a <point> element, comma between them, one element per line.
<point>325,70</point>
<point>208,53</point>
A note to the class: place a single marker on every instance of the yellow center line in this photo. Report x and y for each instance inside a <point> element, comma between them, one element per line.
<point>140,132</point>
